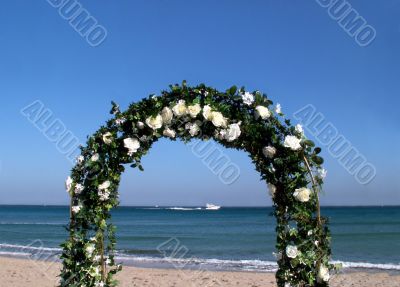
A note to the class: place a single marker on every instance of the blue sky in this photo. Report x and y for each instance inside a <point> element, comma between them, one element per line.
<point>291,50</point>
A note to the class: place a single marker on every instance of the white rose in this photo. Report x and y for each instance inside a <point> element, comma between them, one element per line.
<point>95,157</point>
<point>323,274</point>
<point>79,188</point>
<point>194,110</point>
<point>80,159</point>
<point>262,112</point>
<point>233,132</point>
<point>107,138</point>
<point>180,108</point>
<point>248,98</point>
<point>218,119</point>
<point>193,128</point>
<point>154,122</point>
<point>103,194</point>
<point>169,133</point>
<point>105,185</point>
<point>278,109</point>
<point>302,194</point>
<point>75,209</point>
<point>140,125</point>
<point>68,183</point>
<point>269,151</point>
<point>299,128</point>
<point>132,145</point>
<point>167,115</point>
<point>292,142</point>
<point>220,134</point>
<point>292,251</point>
<point>272,189</point>
<point>120,121</point>
<point>207,112</point>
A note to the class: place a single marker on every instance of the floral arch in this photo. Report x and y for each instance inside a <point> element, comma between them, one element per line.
<point>285,159</point>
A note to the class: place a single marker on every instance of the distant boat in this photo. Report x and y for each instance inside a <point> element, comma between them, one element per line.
<point>210,206</point>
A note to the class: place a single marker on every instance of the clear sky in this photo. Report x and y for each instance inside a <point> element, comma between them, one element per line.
<point>291,50</point>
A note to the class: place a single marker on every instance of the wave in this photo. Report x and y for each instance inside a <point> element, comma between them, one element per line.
<point>30,251</point>
<point>29,247</point>
<point>367,265</point>
<point>183,208</point>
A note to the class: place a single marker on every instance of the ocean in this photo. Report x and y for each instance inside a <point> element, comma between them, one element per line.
<point>232,238</point>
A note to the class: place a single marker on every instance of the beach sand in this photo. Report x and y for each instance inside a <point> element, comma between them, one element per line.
<point>22,273</point>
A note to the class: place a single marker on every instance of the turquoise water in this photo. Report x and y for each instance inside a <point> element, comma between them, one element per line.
<point>230,238</point>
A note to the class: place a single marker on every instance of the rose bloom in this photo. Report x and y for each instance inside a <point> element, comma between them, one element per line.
<point>75,209</point>
<point>169,133</point>
<point>292,251</point>
<point>193,128</point>
<point>248,98</point>
<point>207,112</point>
<point>302,194</point>
<point>262,112</point>
<point>180,108</point>
<point>233,132</point>
<point>299,128</point>
<point>194,110</point>
<point>292,142</point>
<point>79,188</point>
<point>105,185</point>
<point>154,122</point>
<point>132,145</point>
<point>167,115</point>
<point>95,157</point>
<point>68,183</point>
<point>323,274</point>
<point>269,151</point>
<point>272,189</point>
<point>107,138</point>
<point>80,159</point>
<point>218,119</point>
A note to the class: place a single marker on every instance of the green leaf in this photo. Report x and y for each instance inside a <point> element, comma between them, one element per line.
<point>309,143</point>
<point>317,159</point>
<point>232,90</point>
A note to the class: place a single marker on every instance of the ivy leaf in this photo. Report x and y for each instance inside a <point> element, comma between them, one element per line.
<point>232,90</point>
<point>309,143</point>
<point>317,159</point>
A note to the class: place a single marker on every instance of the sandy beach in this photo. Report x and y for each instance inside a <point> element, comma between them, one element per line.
<point>22,272</point>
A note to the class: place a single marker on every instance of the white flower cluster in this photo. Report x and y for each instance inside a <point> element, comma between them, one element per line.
<point>323,274</point>
<point>292,251</point>
<point>132,145</point>
<point>292,142</point>
<point>107,138</point>
<point>103,190</point>
<point>302,194</point>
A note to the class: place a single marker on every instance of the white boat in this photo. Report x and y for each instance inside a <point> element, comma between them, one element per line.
<point>210,206</point>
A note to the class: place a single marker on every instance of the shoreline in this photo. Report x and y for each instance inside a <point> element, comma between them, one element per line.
<point>202,264</point>
<point>19,272</point>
